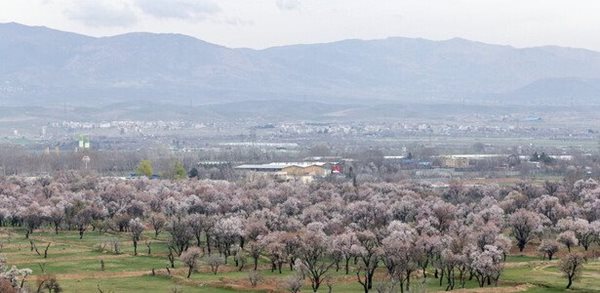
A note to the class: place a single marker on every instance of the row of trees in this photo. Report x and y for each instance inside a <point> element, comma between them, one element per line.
<point>408,231</point>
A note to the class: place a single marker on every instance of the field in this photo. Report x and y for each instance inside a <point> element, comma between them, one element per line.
<point>76,265</point>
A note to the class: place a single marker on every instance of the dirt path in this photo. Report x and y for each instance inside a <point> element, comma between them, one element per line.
<point>43,260</point>
<point>519,288</point>
<point>110,275</point>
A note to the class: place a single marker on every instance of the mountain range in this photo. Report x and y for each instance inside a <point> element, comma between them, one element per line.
<point>45,67</point>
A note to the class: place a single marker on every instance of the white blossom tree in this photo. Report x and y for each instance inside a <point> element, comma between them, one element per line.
<point>191,258</point>
<point>548,248</point>
<point>136,228</point>
<point>571,266</point>
<point>525,226</point>
<point>313,255</point>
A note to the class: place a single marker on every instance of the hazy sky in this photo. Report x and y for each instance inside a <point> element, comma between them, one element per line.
<point>265,23</point>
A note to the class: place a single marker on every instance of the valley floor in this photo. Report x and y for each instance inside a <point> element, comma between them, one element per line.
<point>76,265</point>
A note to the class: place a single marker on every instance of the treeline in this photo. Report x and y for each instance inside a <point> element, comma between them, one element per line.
<point>369,164</point>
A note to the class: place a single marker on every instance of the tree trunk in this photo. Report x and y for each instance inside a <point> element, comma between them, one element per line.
<point>347,267</point>
<point>370,280</point>
<point>46,250</point>
<point>315,284</point>
<point>521,245</point>
<point>171,258</point>
<point>208,243</point>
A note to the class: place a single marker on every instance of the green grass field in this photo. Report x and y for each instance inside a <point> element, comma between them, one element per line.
<point>76,265</point>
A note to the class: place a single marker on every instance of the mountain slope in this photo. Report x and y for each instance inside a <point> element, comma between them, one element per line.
<point>557,90</point>
<point>45,67</point>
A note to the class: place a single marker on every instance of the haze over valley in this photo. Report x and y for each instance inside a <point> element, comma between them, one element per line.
<point>46,67</point>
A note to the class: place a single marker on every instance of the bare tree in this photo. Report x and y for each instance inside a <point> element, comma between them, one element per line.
<point>149,246</point>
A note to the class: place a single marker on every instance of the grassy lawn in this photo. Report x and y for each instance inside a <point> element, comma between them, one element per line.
<point>76,264</point>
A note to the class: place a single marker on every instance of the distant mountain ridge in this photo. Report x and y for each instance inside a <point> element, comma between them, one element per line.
<point>42,66</point>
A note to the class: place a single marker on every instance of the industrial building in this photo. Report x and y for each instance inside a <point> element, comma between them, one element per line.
<point>295,170</point>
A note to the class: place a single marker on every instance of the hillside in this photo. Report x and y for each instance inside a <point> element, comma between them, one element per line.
<point>41,66</point>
